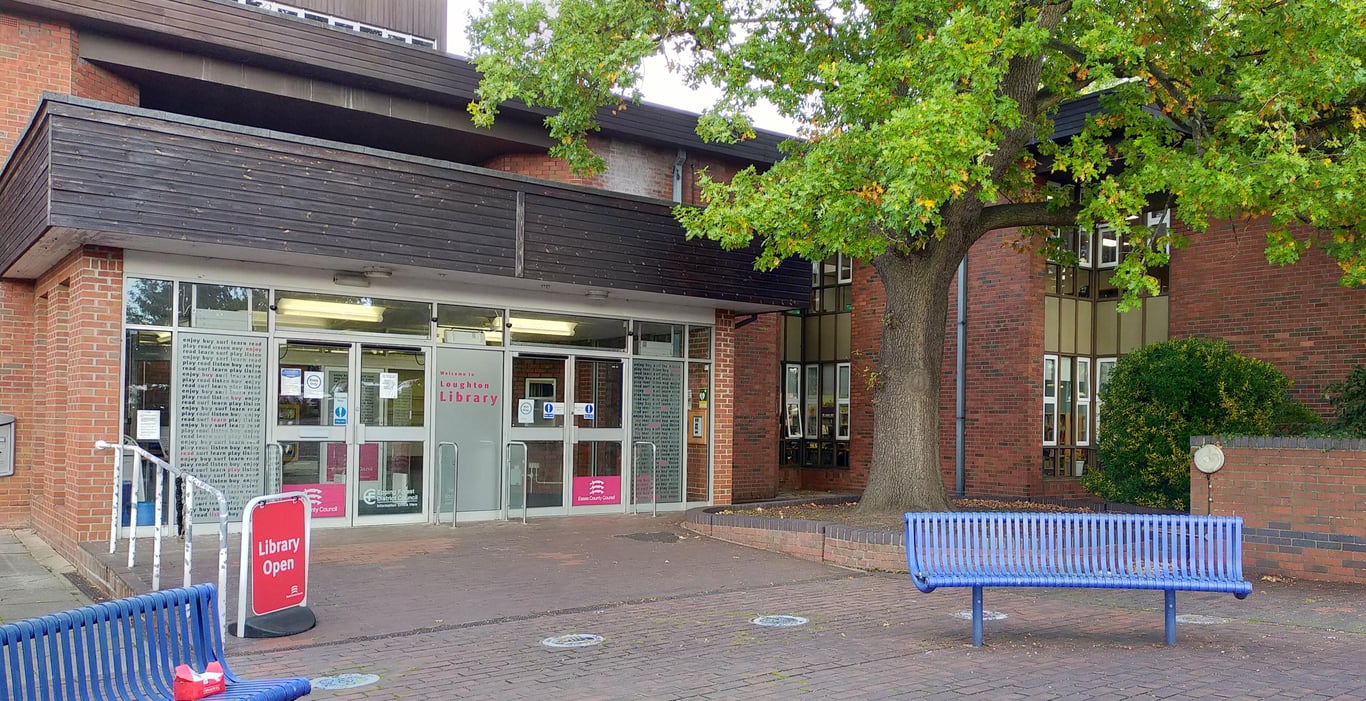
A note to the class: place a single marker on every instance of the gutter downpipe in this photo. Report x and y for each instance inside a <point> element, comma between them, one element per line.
<point>960,385</point>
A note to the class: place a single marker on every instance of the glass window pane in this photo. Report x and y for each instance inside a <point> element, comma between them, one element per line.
<point>813,388</point>
<point>147,302</point>
<point>477,325</point>
<point>846,298</point>
<point>1049,435</point>
<point>1155,319</point>
<point>792,338</point>
<point>393,387</point>
<point>792,401</point>
<point>1050,377</point>
<point>842,391</point>
<point>1083,424</point>
<point>843,422</point>
<point>147,381</point>
<point>1050,279</point>
<point>828,336</point>
<point>827,401</point>
<point>846,272</point>
<point>1050,323</point>
<point>843,336</point>
<point>307,310</point>
<point>223,307</point>
<point>659,340</point>
<point>699,340</point>
<point>1083,379</point>
<point>540,328</point>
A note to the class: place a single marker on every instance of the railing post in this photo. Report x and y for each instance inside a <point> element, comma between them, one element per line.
<point>118,495</point>
<point>133,507</point>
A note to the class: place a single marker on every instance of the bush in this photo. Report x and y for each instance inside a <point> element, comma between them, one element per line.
<point>1160,396</point>
<point>1348,399</point>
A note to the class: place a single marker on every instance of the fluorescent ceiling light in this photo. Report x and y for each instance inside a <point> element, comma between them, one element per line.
<point>542,327</point>
<point>331,310</point>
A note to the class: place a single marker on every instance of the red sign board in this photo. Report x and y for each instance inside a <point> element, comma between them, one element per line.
<point>279,555</point>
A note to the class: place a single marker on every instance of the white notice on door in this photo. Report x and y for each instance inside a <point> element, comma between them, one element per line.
<point>313,385</point>
<point>149,425</point>
<point>388,385</point>
<point>526,411</point>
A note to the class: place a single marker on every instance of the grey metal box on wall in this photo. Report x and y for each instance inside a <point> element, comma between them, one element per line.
<point>6,445</point>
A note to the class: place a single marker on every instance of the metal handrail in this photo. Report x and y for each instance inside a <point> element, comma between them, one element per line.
<point>455,482</point>
<point>526,456</point>
<point>166,470</point>
<point>654,482</point>
<point>274,479</point>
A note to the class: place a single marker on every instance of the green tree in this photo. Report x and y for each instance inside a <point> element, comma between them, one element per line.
<point>1160,396</point>
<point>927,125</point>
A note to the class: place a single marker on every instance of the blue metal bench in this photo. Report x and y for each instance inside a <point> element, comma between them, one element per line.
<point>124,649</point>
<point>1102,551</point>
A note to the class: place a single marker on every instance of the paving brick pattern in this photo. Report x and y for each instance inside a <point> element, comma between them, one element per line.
<point>455,614</point>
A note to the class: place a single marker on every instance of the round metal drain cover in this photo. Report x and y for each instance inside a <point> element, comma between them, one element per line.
<point>573,640</point>
<point>986,615</point>
<point>1200,620</point>
<point>778,621</point>
<point>344,681</point>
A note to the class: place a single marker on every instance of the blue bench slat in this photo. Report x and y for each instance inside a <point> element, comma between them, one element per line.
<point>1108,551</point>
<point>124,649</point>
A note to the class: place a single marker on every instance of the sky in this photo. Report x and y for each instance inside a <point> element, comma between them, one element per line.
<point>661,87</point>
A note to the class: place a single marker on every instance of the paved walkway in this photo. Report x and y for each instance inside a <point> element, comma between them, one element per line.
<point>32,578</point>
<point>438,613</point>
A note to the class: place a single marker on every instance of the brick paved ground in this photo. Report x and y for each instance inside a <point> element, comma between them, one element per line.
<point>450,615</point>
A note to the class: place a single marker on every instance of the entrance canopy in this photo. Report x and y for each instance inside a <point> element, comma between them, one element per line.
<point>96,173</point>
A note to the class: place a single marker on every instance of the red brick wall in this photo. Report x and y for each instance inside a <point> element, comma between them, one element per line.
<point>34,56</point>
<point>77,348</point>
<point>16,388</point>
<point>723,409</point>
<point>38,56</point>
<point>1302,507</point>
<point>756,408</point>
<point>1296,318</point>
<point>632,168</point>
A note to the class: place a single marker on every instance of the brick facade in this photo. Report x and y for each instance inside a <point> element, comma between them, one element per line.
<point>723,410</point>
<point>76,388</point>
<point>1301,501</point>
<point>38,56</point>
<point>632,168</point>
<point>16,396</point>
<point>1297,318</point>
<point>757,401</point>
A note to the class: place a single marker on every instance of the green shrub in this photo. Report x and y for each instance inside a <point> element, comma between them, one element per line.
<point>1348,399</point>
<point>1295,419</point>
<point>1160,396</point>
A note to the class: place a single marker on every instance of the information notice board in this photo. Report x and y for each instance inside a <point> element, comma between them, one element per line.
<point>220,427</point>
<point>657,416</point>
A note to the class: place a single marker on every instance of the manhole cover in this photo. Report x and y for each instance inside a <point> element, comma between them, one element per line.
<point>1197,620</point>
<point>778,621</point>
<point>573,640</point>
<point>652,537</point>
<point>986,615</point>
<point>344,681</point>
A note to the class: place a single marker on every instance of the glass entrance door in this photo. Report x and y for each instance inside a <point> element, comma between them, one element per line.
<point>351,423</point>
<point>566,434</point>
<point>597,435</point>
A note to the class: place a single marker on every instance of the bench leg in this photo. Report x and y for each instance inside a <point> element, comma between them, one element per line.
<point>1171,616</point>
<point>977,617</point>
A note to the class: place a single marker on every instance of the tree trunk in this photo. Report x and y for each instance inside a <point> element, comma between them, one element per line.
<point>905,472</point>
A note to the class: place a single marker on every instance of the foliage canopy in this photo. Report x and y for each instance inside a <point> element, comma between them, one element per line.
<point>929,123</point>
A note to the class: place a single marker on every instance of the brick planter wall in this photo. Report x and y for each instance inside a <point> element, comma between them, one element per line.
<point>817,541</point>
<point>1303,503</point>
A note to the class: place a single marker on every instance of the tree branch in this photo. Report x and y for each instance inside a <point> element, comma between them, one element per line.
<point>1002,216</point>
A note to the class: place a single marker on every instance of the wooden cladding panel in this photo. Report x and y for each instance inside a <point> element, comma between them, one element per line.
<point>24,194</point>
<point>583,239</point>
<point>426,18</point>
<point>214,187</point>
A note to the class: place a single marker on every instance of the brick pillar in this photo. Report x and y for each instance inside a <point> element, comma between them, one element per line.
<point>16,396</point>
<point>723,409</point>
<point>757,391</point>
<point>76,378</point>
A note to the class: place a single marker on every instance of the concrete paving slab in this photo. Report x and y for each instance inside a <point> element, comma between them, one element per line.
<point>31,583</point>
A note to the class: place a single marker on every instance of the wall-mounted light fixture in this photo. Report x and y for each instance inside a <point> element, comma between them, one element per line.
<point>331,310</point>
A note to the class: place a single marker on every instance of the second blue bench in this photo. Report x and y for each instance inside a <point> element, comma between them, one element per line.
<point>1105,551</point>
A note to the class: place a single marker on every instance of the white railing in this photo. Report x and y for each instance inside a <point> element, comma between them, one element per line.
<point>165,472</point>
<point>340,22</point>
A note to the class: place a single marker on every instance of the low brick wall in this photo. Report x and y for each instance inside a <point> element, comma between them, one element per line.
<point>817,541</point>
<point>1303,503</point>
